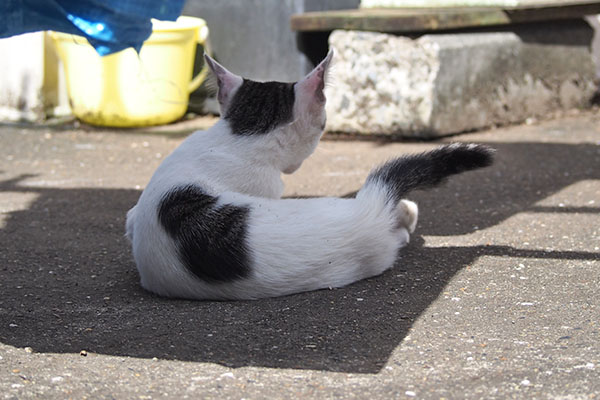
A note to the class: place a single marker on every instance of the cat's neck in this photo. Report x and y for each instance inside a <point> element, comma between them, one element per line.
<point>259,151</point>
<point>239,161</point>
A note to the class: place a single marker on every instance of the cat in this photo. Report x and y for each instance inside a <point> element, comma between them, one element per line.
<point>211,225</point>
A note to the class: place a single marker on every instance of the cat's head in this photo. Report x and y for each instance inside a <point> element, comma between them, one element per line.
<point>289,117</point>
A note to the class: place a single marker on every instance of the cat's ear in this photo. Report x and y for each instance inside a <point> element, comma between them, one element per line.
<point>227,82</point>
<point>312,86</point>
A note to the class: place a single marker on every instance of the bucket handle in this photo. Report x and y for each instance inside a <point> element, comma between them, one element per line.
<point>198,79</point>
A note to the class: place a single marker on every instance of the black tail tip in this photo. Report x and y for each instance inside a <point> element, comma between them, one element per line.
<point>469,155</point>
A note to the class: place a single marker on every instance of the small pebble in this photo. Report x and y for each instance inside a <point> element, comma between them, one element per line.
<point>83,353</point>
<point>28,350</point>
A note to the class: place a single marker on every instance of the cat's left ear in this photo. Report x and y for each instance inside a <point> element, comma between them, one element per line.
<point>228,82</point>
<point>313,84</point>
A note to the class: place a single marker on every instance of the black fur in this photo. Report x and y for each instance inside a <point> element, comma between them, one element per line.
<point>259,107</point>
<point>429,169</point>
<point>211,239</point>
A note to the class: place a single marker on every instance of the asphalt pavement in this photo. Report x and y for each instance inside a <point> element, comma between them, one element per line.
<point>497,295</point>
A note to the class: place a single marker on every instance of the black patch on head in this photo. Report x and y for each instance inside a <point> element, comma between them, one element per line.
<point>259,107</point>
<point>211,240</point>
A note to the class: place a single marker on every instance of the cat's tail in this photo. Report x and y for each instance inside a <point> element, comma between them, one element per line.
<point>402,175</point>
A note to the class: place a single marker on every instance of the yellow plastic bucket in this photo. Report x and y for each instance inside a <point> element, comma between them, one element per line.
<point>126,89</point>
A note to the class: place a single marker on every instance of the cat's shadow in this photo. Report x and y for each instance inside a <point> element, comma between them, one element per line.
<point>68,282</point>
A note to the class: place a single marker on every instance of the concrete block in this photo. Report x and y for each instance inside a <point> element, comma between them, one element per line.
<point>442,84</point>
<point>594,21</point>
<point>31,82</point>
<point>22,76</point>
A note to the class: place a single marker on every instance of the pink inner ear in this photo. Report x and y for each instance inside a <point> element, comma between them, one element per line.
<point>227,83</point>
<point>314,83</point>
<point>226,80</point>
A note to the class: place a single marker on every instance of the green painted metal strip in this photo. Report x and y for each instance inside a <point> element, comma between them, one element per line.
<point>421,19</point>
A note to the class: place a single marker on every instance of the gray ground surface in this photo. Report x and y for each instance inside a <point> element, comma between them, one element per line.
<point>497,296</point>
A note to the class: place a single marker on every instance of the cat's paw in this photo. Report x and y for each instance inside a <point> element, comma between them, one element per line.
<point>407,214</point>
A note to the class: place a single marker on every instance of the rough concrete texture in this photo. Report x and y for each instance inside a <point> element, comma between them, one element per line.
<point>496,296</point>
<point>594,21</point>
<point>442,84</point>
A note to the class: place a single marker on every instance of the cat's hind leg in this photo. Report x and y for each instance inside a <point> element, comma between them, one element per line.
<point>407,214</point>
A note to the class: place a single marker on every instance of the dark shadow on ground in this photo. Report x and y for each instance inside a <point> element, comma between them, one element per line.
<point>68,283</point>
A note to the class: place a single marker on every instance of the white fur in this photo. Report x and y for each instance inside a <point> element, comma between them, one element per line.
<point>295,244</point>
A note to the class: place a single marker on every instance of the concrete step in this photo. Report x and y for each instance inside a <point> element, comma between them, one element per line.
<point>440,84</point>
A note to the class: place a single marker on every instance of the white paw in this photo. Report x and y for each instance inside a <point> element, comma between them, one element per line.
<point>408,213</point>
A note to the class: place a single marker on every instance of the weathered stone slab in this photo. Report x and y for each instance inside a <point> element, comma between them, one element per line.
<point>448,83</point>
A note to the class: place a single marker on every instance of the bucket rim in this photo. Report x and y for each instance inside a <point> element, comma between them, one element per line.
<point>184,22</point>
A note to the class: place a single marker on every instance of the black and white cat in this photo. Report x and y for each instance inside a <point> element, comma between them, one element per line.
<point>211,224</point>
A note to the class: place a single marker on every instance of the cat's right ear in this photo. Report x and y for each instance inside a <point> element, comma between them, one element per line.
<point>227,82</point>
<point>311,89</point>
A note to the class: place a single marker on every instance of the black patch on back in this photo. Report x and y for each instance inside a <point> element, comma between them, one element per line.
<point>211,239</point>
<point>259,107</point>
